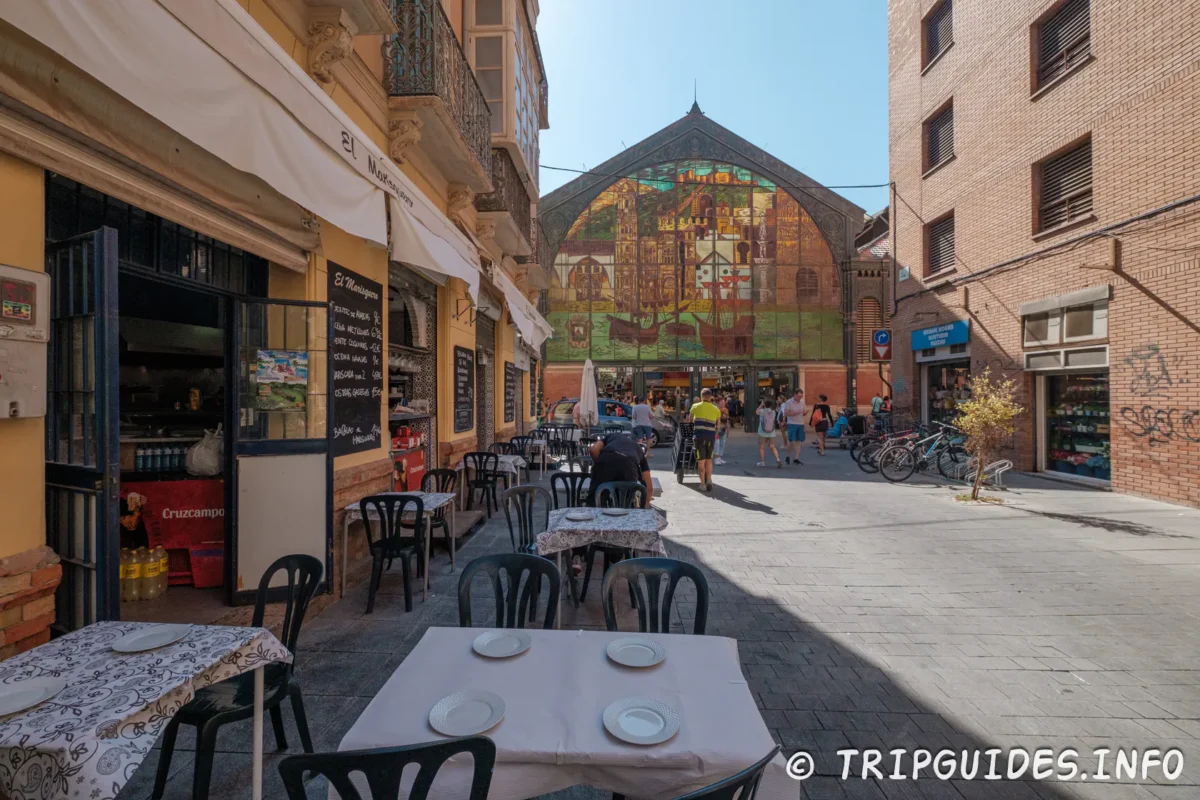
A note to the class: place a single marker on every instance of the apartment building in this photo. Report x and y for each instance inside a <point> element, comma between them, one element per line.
<point>1047,228</point>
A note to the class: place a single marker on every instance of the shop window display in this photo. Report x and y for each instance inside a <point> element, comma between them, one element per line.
<point>948,386</point>
<point>1078,425</point>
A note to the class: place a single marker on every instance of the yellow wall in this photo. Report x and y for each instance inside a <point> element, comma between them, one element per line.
<point>22,441</point>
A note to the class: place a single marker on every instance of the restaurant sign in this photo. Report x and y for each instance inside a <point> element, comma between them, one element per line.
<point>942,335</point>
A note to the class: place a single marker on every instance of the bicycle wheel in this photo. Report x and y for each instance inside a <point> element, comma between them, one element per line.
<point>858,444</point>
<point>868,456</point>
<point>897,464</point>
<point>951,461</point>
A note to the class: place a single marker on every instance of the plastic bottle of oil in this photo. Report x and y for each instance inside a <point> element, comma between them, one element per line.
<point>131,572</point>
<point>160,555</point>
<point>149,574</point>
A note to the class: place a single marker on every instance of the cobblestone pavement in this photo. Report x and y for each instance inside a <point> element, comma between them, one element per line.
<point>872,615</point>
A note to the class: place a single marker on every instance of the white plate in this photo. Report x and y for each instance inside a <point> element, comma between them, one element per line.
<point>641,720</point>
<point>615,512</point>
<point>501,643</point>
<point>150,638</point>
<point>28,693</point>
<point>580,516</point>
<point>467,713</point>
<point>635,651</point>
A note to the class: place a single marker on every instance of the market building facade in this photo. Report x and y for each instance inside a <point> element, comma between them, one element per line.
<point>221,328</point>
<point>696,259</point>
<point>1045,221</point>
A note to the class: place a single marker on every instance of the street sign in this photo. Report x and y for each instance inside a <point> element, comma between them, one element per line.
<point>881,345</point>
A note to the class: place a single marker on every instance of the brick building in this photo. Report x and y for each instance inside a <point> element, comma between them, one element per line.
<point>1047,226</point>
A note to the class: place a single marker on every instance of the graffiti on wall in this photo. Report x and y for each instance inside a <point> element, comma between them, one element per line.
<point>694,260</point>
<point>1162,425</point>
<point>1150,374</point>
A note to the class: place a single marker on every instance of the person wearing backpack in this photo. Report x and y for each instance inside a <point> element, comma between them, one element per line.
<point>820,421</point>
<point>767,431</point>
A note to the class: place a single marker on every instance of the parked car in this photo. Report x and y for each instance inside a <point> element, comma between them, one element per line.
<point>613,412</point>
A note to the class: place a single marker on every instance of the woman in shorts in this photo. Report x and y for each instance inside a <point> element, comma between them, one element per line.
<point>767,431</point>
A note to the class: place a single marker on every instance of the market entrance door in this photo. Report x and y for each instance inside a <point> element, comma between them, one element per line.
<point>82,425</point>
<point>282,466</point>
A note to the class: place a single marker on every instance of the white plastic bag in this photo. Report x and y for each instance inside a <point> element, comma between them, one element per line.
<point>207,456</point>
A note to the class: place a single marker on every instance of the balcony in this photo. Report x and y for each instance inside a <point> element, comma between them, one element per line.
<point>507,206</point>
<point>434,98</point>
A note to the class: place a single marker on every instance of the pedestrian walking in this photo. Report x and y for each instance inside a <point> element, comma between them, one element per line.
<point>821,414</point>
<point>722,432</point>
<point>643,418</point>
<point>705,419</point>
<point>767,432</point>
<point>794,412</point>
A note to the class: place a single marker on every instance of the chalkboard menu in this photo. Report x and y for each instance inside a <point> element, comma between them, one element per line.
<point>510,391</point>
<point>356,304</point>
<point>464,389</point>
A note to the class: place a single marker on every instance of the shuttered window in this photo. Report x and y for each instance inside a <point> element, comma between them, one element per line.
<point>939,30</point>
<point>939,138</point>
<point>1066,187</point>
<point>1064,40</point>
<point>941,245</point>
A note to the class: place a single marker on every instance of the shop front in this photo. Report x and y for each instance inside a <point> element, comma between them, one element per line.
<point>412,376</point>
<point>944,358</point>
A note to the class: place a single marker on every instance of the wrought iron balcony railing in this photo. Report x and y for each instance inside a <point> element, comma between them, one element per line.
<point>510,194</point>
<point>425,58</point>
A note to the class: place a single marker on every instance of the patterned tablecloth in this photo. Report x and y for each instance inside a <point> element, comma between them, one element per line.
<point>433,501</point>
<point>637,530</point>
<point>511,464</point>
<point>86,742</point>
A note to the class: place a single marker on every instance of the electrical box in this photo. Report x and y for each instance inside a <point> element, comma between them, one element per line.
<point>24,334</point>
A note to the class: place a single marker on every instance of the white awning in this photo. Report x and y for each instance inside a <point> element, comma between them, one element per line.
<point>529,322</point>
<point>431,250</point>
<point>145,54</point>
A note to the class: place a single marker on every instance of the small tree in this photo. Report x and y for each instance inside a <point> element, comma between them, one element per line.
<point>987,420</point>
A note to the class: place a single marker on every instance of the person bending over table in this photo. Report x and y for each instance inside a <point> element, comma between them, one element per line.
<point>617,457</point>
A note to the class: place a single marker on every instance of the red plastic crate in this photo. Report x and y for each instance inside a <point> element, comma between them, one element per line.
<point>208,568</point>
<point>179,567</point>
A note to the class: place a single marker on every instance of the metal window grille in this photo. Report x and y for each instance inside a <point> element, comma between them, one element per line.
<point>940,138</point>
<point>1066,187</point>
<point>939,31</point>
<point>941,245</point>
<point>1064,40</point>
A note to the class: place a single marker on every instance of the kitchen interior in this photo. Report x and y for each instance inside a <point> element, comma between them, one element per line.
<point>173,377</point>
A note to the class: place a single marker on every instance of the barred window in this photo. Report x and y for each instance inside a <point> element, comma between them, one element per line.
<point>940,245</point>
<point>868,317</point>
<point>939,138</point>
<point>939,31</point>
<point>1064,40</point>
<point>1066,187</point>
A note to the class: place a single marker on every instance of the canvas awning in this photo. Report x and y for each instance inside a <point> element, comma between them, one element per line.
<point>433,250</point>
<point>529,322</point>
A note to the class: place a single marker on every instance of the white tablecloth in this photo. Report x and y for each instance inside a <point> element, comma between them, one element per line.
<point>87,741</point>
<point>638,530</point>
<point>552,735</point>
<point>511,464</point>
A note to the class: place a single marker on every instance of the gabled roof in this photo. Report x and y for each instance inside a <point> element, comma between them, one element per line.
<point>696,136</point>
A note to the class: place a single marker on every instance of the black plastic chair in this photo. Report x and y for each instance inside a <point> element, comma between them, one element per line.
<point>521,448</point>
<point>521,603</point>
<point>519,503</point>
<point>383,769</point>
<point>387,510</point>
<point>562,449</point>
<point>653,617</point>
<point>741,786</point>
<point>613,429</point>
<point>437,481</point>
<point>572,486</point>
<point>233,700</point>
<point>483,474</point>
<point>581,464</point>
<point>504,449</point>
<point>619,494</point>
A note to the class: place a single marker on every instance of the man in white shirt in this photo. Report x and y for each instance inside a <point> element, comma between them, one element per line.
<point>794,413</point>
<point>643,427</point>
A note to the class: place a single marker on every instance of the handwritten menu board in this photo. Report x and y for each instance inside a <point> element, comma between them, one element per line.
<point>510,391</point>
<point>356,304</point>
<point>464,389</point>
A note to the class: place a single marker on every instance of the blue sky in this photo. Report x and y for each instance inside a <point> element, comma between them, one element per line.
<point>805,80</point>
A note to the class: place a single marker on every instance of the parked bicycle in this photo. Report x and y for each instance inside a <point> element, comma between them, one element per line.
<point>867,456</point>
<point>943,448</point>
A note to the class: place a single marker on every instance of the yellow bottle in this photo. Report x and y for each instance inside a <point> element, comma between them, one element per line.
<point>133,577</point>
<point>123,572</point>
<point>149,574</point>
<point>160,555</point>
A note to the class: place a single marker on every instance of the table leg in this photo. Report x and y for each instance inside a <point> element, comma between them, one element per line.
<point>453,534</point>
<point>256,780</point>
<point>345,552</point>
<point>428,545</point>
<point>558,562</point>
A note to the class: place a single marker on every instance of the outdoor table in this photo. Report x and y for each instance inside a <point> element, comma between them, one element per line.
<point>555,693</point>
<point>87,741</point>
<point>505,463</point>
<point>433,502</point>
